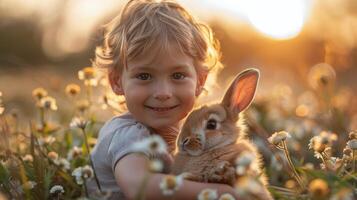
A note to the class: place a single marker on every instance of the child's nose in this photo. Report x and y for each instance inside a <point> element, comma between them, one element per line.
<point>163,92</point>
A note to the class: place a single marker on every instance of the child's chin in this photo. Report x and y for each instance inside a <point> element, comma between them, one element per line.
<point>161,124</point>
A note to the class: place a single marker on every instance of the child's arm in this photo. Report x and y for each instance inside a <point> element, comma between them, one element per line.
<point>130,171</point>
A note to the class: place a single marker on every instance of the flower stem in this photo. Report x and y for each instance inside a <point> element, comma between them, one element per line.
<point>85,140</point>
<point>90,159</point>
<point>354,160</point>
<point>42,118</point>
<point>85,187</point>
<point>296,175</point>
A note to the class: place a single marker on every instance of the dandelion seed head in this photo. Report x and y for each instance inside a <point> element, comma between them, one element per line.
<point>57,189</point>
<point>318,188</point>
<point>278,137</point>
<point>208,194</point>
<point>170,184</point>
<point>87,172</point>
<point>52,155</point>
<point>39,93</point>
<point>322,76</point>
<point>72,90</point>
<point>48,102</point>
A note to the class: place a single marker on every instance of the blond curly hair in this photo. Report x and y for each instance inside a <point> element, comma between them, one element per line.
<point>144,24</point>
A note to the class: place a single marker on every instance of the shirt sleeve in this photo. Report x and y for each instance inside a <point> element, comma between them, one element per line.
<point>123,140</point>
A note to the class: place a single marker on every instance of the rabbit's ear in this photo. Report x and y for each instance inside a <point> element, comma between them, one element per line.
<point>241,91</point>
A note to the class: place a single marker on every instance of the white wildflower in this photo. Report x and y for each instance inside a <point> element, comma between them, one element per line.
<point>78,122</point>
<point>77,173</point>
<point>63,163</point>
<point>170,184</point>
<point>74,153</point>
<point>244,161</point>
<point>226,196</point>
<point>82,173</point>
<point>52,155</point>
<point>48,102</point>
<point>208,194</point>
<point>39,93</point>
<point>152,145</point>
<point>156,165</point>
<point>278,137</point>
<point>352,135</point>
<point>28,158</point>
<point>46,140</point>
<point>246,186</point>
<point>87,172</point>
<point>352,144</point>
<point>57,189</point>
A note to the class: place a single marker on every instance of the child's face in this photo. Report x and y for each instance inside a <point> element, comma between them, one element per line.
<point>160,90</point>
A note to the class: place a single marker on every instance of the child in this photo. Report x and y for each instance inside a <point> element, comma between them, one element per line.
<point>158,57</point>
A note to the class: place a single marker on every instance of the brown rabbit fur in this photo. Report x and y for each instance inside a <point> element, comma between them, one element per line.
<point>213,136</point>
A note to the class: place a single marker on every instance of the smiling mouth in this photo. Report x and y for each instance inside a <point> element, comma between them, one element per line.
<point>161,109</point>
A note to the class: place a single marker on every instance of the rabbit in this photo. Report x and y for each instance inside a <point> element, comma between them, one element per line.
<point>213,136</point>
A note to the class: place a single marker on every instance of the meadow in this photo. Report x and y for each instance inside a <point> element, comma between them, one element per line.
<point>307,141</point>
<point>303,119</point>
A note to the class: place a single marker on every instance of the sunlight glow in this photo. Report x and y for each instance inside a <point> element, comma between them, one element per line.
<point>279,19</point>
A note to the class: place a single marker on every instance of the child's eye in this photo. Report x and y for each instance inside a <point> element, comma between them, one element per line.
<point>143,76</point>
<point>178,75</point>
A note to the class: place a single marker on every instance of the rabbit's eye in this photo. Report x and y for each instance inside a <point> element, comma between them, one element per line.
<point>211,124</point>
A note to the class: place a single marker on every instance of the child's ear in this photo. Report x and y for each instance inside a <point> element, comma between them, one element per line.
<point>201,80</point>
<point>115,82</point>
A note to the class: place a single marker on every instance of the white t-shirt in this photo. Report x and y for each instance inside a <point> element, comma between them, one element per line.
<point>115,141</point>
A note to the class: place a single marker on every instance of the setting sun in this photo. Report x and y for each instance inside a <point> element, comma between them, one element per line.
<point>279,19</point>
